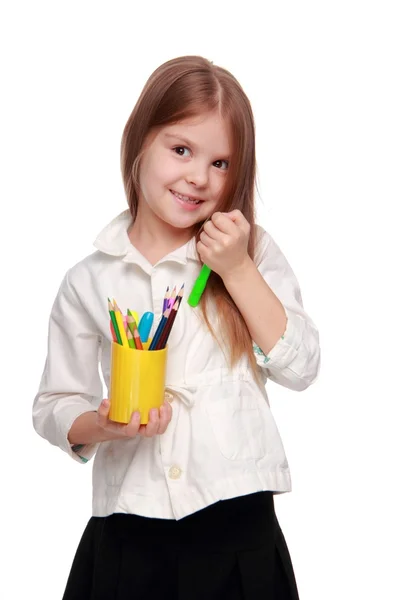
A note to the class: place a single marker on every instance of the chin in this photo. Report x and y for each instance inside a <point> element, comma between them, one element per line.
<point>183,226</point>
<point>187,223</point>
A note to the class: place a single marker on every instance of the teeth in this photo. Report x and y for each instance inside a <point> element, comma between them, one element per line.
<point>185,198</point>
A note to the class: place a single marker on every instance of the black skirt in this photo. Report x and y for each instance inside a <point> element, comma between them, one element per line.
<point>232,550</point>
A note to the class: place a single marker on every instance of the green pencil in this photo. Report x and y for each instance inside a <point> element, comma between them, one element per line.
<point>130,339</point>
<point>199,286</point>
<point>131,322</point>
<point>114,321</point>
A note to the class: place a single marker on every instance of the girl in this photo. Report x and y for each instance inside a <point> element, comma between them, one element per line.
<point>183,507</point>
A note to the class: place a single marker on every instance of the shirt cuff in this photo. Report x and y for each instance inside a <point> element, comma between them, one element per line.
<point>286,349</point>
<point>81,453</point>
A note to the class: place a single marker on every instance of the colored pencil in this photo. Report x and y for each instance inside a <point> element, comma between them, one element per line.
<point>116,307</point>
<point>159,329</point>
<point>125,330</point>
<point>180,295</point>
<point>166,300</point>
<point>138,341</point>
<point>112,329</point>
<point>171,301</point>
<point>133,327</point>
<point>116,336</point>
<point>131,341</point>
<point>167,327</point>
<point>124,339</point>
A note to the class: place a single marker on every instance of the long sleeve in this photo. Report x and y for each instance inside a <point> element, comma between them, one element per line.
<point>70,383</point>
<point>294,361</point>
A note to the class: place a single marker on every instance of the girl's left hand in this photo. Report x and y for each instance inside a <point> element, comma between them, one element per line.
<point>224,241</point>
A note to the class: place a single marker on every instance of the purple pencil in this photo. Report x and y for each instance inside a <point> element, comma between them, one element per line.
<point>166,300</point>
<point>172,298</point>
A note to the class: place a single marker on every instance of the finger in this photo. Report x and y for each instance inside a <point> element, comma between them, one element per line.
<point>213,235</point>
<point>119,429</point>
<point>153,424</point>
<point>216,245</point>
<point>239,219</point>
<point>142,430</point>
<point>165,417</point>
<point>235,215</point>
<point>224,224</point>
<point>206,239</point>
<point>212,231</point>
<point>132,428</point>
<point>203,251</point>
<point>102,413</point>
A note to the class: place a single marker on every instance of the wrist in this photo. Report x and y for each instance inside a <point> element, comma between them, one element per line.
<point>86,430</point>
<point>239,272</point>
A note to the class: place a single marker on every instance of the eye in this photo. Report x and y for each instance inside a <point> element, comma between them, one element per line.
<point>180,150</point>
<point>221,164</point>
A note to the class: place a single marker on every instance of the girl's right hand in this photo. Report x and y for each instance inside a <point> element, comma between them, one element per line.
<point>158,422</point>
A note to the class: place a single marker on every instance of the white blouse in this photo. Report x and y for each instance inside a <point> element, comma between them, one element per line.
<point>222,441</point>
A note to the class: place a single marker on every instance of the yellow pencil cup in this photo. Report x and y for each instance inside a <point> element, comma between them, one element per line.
<point>137,381</point>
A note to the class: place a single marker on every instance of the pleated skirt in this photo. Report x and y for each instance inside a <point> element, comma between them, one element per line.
<point>232,550</point>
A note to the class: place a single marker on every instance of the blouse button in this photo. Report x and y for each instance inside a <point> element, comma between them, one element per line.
<point>174,472</point>
<point>168,397</point>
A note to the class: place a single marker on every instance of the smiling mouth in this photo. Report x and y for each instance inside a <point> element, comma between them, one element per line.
<point>186,198</point>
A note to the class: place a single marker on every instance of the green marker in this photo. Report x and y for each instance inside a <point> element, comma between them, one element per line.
<point>199,286</point>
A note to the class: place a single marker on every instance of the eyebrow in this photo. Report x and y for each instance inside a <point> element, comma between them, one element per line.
<point>183,139</point>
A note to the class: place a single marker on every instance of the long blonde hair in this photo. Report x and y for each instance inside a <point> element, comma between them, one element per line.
<point>179,89</point>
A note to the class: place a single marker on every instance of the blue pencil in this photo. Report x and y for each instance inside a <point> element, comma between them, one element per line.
<point>159,329</point>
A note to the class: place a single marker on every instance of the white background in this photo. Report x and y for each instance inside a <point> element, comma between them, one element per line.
<point>323,79</point>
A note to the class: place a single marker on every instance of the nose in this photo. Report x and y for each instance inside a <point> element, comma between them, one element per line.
<point>197,175</point>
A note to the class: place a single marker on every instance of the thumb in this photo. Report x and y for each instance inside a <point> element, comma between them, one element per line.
<point>103,411</point>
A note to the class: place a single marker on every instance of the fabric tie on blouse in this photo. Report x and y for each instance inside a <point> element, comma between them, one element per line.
<point>182,392</point>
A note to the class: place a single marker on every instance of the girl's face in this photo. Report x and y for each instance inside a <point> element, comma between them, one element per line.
<point>183,171</point>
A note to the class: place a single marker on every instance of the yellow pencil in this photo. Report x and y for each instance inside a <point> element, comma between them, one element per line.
<point>121,328</point>
<point>116,307</point>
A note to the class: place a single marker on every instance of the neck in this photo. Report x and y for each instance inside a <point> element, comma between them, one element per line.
<point>155,238</point>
